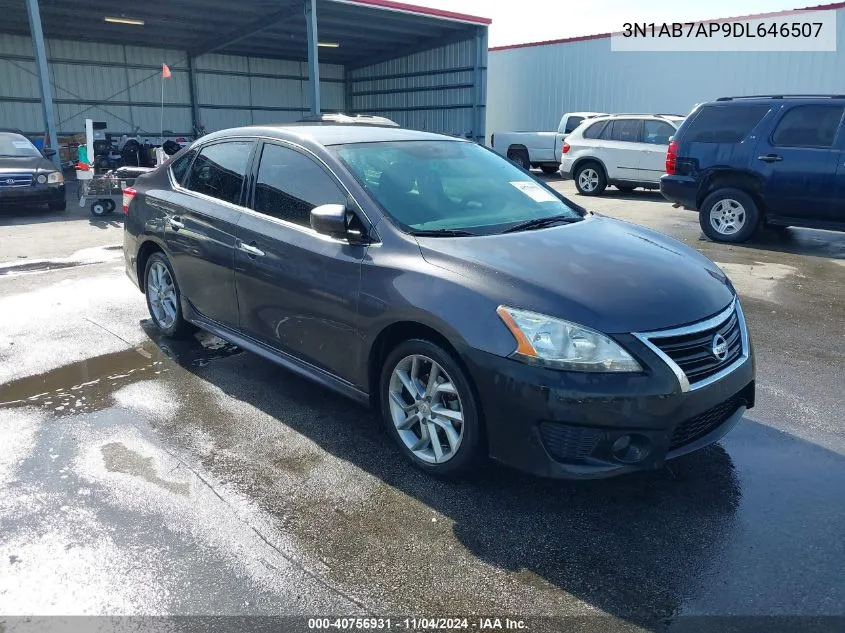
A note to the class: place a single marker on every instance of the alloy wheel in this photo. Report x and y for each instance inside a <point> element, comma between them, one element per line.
<point>727,216</point>
<point>162,295</point>
<point>588,179</point>
<point>426,409</point>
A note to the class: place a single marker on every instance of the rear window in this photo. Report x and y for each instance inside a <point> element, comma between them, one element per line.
<point>724,124</point>
<point>571,123</point>
<point>594,131</point>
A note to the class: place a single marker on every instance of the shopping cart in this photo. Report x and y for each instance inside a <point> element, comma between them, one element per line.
<point>105,191</point>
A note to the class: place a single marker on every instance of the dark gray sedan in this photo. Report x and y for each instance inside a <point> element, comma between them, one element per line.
<point>479,311</point>
<point>26,176</point>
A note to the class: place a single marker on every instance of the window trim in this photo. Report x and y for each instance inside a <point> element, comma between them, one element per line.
<point>173,180</point>
<point>252,166</point>
<point>785,112</point>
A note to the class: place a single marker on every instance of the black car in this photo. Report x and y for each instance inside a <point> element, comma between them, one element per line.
<point>477,309</point>
<point>746,161</point>
<point>26,177</point>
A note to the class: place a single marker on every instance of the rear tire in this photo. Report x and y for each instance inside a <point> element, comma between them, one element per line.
<point>164,301</point>
<point>520,158</point>
<point>413,407</point>
<point>590,179</point>
<point>728,215</point>
<point>99,208</point>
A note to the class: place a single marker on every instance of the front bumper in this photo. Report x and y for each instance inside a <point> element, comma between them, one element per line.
<point>564,424</point>
<point>35,194</point>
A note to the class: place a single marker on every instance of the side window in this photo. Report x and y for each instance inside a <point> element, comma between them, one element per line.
<point>724,123</point>
<point>657,132</point>
<point>290,184</point>
<point>808,126</point>
<point>595,130</point>
<point>626,130</point>
<point>179,167</point>
<point>220,169</point>
<point>571,123</point>
<point>607,132</point>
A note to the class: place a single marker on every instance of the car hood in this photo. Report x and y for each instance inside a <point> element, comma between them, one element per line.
<point>26,164</point>
<point>606,274</point>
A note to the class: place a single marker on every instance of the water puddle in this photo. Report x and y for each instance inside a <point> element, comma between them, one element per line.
<point>117,458</point>
<point>88,385</point>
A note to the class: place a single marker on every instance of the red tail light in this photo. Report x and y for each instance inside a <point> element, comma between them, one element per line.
<point>128,195</point>
<point>672,158</point>
<point>565,147</point>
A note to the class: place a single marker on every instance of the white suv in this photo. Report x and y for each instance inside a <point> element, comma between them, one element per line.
<point>624,150</point>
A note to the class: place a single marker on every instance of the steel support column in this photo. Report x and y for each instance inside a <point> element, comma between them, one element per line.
<point>479,72</point>
<point>43,76</point>
<point>192,95</point>
<point>313,56</point>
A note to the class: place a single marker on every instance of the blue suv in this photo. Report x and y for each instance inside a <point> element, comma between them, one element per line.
<point>745,161</point>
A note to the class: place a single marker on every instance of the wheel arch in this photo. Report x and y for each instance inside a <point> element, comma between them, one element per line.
<point>589,159</point>
<point>147,248</point>
<point>731,179</point>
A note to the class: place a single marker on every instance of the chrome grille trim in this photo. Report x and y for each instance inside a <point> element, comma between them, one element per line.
<point>719,319</point>
<point>18,180</point>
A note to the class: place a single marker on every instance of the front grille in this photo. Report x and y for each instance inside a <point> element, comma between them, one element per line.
<point>9,181</point>
<point>690,430</point>
<point>568,443</point>
<point>693,352</point>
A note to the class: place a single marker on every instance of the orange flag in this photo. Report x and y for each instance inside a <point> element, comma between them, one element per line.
<point>165,71</point>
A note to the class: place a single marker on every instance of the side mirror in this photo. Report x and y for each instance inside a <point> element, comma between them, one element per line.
<point>48,152</point>
<point>330,219</point>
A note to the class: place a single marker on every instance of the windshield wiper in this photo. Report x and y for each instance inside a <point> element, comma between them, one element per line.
<point>538,223</point>
<point>443,233</point>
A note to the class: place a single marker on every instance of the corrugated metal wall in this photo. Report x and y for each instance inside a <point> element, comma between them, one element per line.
<point>531,87</point>
<point>434,90</point>
<point>121,85</point>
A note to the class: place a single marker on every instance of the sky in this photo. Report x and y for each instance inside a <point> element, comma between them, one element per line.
<point>520,21</point>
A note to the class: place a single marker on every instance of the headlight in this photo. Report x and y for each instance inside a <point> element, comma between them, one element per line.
<point>544,340</point>
<point>55,177</point>
<point>41,179</point>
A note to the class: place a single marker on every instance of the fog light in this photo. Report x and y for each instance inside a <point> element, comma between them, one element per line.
<point>631,449</point>
<point>42,178</point>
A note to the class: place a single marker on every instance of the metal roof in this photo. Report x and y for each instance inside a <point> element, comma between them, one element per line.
<point>365,31</point>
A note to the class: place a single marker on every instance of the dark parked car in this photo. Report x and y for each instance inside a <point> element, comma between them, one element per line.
<point>477,309</point>
<point>26,177</point>
<point>745,161</point>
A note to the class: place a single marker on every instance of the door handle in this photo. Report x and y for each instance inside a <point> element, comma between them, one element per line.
<point>175,224</point>
<point>770,158</point>
<point>250,249</point>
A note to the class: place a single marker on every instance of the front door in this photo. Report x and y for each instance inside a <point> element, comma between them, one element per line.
<point>655,144</point>
<point>798,162</point>
<point>297,290</point>
<point>200,228</point>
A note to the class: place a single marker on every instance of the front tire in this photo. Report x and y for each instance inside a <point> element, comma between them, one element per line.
<point>163,297</point>
<point>728,215</point>
<point>430,409</point>
<point>590,179</point>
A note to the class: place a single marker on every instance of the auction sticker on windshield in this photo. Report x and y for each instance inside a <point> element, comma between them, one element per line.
<point>534,191</point>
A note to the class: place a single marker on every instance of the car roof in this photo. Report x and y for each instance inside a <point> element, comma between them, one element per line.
<point>332,134</point>
<point>586,114</point>
<point>781,98</point>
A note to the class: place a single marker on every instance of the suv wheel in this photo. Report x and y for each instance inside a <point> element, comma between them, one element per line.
<point>590,179</point>
<point>163,298</point>
<point>728,215</point>
<point>430,409</point>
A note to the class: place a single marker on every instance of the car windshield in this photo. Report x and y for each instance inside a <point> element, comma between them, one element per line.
<point>451,186</point>
<point>16,146</point>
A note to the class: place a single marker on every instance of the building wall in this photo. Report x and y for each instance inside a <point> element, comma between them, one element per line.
<point>531,87</point>
<point>434,90</point>
<point>121,85</point>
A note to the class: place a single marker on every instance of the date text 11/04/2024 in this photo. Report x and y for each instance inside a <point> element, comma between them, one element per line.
<point>722,29</point>
<point>418,624</point>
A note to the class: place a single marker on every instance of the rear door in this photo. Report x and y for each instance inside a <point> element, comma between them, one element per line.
<point>200,228</point>
<point>297,290</point>
<point>655,144</point>
<point>618,148</point>
<point>798,161</point>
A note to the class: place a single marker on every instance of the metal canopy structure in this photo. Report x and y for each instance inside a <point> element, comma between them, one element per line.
<point>365,30</point>
<point>361,37</point>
